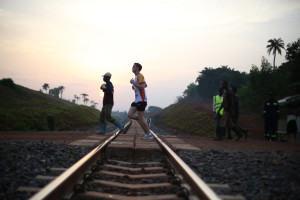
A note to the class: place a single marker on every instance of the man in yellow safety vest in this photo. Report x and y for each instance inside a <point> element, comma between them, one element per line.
<point>217,101</point>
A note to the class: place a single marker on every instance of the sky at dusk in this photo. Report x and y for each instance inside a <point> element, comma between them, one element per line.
<point>74,42</point>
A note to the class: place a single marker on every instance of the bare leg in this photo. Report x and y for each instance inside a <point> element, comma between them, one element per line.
<point>139,118</point>
<point>143,121</point>
<point>131,113</point>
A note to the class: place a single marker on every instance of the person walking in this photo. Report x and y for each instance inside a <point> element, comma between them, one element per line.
<point>228,105</point>
<point>140,102</point>
<point>108,103</point>
<point>271,116</point>
<point>236,114</point>
<point>217,101</point>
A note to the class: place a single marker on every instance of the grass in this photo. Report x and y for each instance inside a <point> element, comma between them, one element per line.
<point>23,109</point>
<point>183,117</point>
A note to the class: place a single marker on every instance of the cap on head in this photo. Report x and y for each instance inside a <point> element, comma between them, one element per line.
<point>107,74</point>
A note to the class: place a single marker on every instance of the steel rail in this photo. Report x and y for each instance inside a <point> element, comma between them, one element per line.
<point>63,184</point>
<point>199,187</point>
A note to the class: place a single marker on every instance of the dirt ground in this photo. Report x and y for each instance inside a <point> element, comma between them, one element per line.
<point>201,142</point>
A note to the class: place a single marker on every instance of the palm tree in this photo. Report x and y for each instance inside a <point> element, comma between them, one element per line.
<point>84,96</point>
<point>61,89</point>
<point>85,100</point>
<point>275,46</point>
<point>94,104</point>
<point>76,98</point>
<point>54,92</point>
<point>46,86</point>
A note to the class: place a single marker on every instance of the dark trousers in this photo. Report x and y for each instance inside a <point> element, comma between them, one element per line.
<point>105,114</point>
<point>235,121</point>
<point>271,128</point>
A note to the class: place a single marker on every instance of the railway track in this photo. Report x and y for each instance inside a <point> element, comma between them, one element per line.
<point>108,172</point>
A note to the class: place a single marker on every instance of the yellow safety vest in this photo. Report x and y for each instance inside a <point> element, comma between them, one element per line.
<point>217,104</point>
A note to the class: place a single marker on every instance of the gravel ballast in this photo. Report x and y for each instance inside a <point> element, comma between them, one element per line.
<point>20,162</point>
<point>252,174</point>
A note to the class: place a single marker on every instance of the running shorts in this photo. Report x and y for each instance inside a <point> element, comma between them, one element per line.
<point>141,106</point>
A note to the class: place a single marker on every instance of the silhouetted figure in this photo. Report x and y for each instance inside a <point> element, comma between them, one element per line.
<point>236,114</point>
<point>228,105</point>
<point>271,116</point>
<point>108,103</point>
<point>217,101</point>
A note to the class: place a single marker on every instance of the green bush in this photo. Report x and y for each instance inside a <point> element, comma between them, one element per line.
<point>7,82</point>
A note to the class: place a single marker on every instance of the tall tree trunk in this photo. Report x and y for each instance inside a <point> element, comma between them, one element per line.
<point>274,61</point>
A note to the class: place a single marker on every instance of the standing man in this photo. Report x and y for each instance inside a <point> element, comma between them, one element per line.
<point>271,116</point>
<point>236,113</point>
<point>108,103</point>
<point>140,102</point>
<point>217,101</point>
<point>228,105</point>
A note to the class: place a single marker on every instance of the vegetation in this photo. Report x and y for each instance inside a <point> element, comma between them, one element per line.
<point>153,109</point>
<point>184,117</point>
<point>84,97</point>
<point>293,58</point>
<point>46,87</point>
<point>252,87</point>
<point>275,46</point>
<point>76,98</point>
<point>209,80</point>
<point>55,92</point>
<point>23,109</point>
<point>7,82</point>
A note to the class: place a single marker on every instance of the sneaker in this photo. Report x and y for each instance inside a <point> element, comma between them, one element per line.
<point>148,136</point>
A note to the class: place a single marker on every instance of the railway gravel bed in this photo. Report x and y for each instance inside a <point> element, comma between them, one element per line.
<point>20,162</point>
<point>253,174</point>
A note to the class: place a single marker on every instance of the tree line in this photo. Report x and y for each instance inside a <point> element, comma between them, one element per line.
<point>252,87</point>
<point>55,92</point>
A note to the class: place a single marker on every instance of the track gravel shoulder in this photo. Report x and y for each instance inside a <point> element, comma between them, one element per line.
<point>253,168</point>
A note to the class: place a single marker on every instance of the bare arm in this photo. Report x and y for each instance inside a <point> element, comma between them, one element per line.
<point>139,86</point>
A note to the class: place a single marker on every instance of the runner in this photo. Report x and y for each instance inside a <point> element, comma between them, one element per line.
<point>140,103</point>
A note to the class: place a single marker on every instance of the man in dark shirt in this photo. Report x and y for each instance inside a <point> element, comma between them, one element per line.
<point>271,116</point>
<point>228,113</point>
<point>108,103</point>
<point>236,114</point>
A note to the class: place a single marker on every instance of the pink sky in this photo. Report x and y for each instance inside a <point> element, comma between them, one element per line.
<point>73,43</point>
